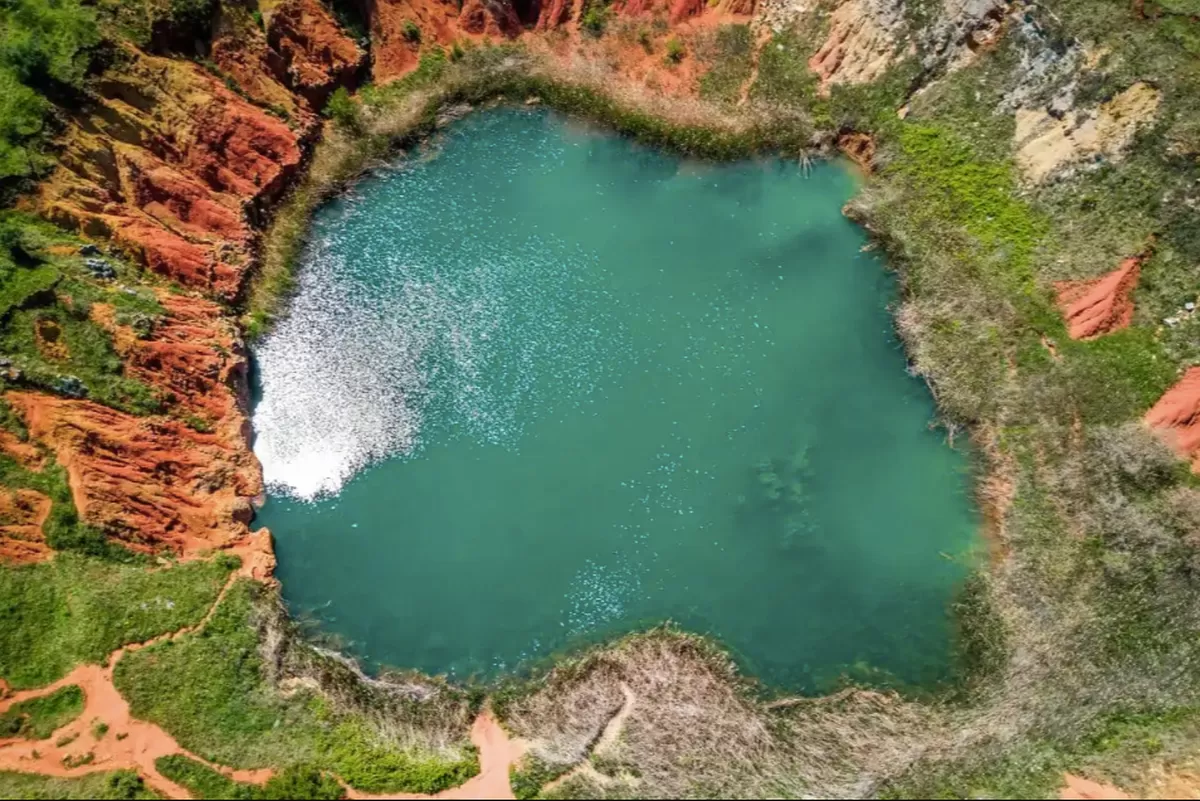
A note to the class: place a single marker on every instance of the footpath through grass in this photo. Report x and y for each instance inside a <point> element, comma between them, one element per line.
<point>74,610</point>
<point>209,690</point>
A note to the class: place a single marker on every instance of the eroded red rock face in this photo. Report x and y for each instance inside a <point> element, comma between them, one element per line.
<point>1101,305</point>
<point>168,164</point>
<point>686,9</point>
<point>313,53</point>
<point>194,356</point>
<point>490,18</point>
<point>1176,416</point>
<point>149,482</point>
<point>22,513</point>
<point>393,53</point>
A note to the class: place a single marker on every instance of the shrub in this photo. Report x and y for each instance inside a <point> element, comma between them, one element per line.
<point>344,111</point>
<point>645,39</point>
<point>675,51</point>
<point>411,31</point>
<point>595,19</point>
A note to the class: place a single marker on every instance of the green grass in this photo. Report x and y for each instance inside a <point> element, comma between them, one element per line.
<point>114,786</point>
<point>783,74</point>
<point>38,718</point>
<point>729,58</point>
<point>208,690</point>
<point>75,610</point>
<point>1118,376</point>
<point>294,782</point>
<point>532,774</point>
<point>1113,749</point>
<point>978,195</point>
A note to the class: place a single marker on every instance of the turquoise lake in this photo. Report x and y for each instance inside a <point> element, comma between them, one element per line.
<point>540,385</point>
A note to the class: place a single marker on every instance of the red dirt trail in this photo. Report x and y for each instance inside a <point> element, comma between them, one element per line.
<point>134,744</point>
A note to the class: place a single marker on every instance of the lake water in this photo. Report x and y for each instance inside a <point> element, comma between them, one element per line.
<point>541,385</point>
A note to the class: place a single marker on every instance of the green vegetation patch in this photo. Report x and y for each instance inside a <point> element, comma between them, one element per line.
<point>532,774</point>
<point>46,331</point>
<point>294,782</point>
<point>208,689</point>
<point>46,47</point>
<point>1113,750</point>
<point>38,718</point>
<point>74,610</point>
<point>114,786</point>
<point>979,195</point>
<point>730,58</point>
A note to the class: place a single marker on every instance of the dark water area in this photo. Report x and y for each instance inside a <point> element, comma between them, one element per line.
<point>541,385</point>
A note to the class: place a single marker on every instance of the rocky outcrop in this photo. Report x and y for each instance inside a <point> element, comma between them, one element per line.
<point>490,18</point>
<point>682,10</point>
<point>554,13</point>
<point>1176,417</point>
<point>22,513</point>
<point>170,164</point>
<point>311,51</point>
<point>1047,141</point>
<point>159,482</point>
<point>194,356</point>
<point>394,54</point>
<point>1101,305</point>
<point>865,38</point>
<point>859,147</point>
<point>150,483</point>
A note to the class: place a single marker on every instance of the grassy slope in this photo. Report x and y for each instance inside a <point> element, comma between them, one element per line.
<point>121,784</point>
<point>209,690</point>
<point>38,718</point>
<point>76,609</point>
<point>297,782</point>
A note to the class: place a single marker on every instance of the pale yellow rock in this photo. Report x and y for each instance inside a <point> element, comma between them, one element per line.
<point>1045,144</point>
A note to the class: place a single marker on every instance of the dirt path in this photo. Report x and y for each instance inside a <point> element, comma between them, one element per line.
<point>604,743</point>
<point>497,754</point>
<point>73,750</point>
<point>128,744</point>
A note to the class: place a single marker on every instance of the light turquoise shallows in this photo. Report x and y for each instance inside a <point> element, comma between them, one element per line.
<point>541,385</point>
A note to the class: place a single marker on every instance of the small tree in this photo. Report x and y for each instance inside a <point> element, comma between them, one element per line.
<point>344,111</point>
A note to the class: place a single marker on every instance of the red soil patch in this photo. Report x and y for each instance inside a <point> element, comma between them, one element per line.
<point>22,513</point>
<point>1101,305</point>
<point>128,744</point>
<point>1079,789</point>
<point>1177,417</point>
<point>858,147</point>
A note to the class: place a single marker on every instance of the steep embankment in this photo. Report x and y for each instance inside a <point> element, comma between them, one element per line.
<point>177,167</point>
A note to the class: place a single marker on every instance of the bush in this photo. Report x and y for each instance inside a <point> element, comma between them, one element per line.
<point>675,51</point>
<point>595,19</point>
<point>47,42</point>
<point>344,110</point>
<point>411,32</point>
